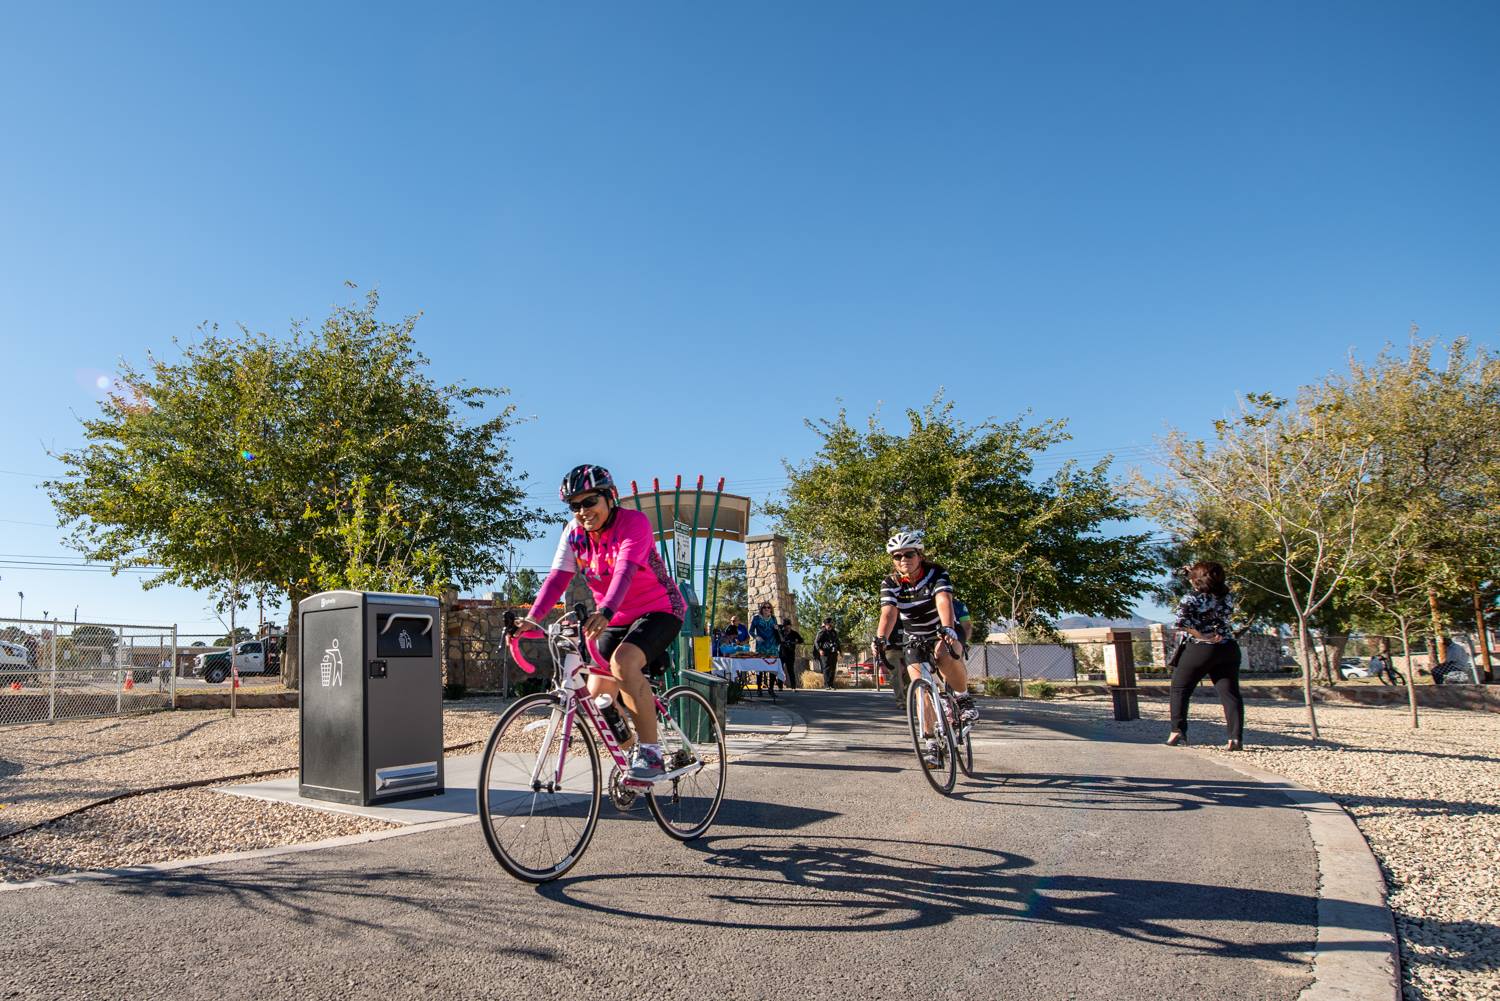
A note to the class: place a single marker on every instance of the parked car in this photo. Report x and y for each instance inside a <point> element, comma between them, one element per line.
<point>16,663</point>
<point>249,658</point>
<point>1353,667</point>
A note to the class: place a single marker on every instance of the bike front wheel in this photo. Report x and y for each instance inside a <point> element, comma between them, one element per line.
<point>538,816</point>
<point>963,743</point>
<point>922,699</point>
<point>691,735</point>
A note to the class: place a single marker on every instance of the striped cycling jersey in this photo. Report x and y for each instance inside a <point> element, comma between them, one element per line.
<point>916,602</point>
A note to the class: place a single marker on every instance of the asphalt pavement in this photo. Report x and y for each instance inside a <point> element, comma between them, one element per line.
<point>1087,861</point>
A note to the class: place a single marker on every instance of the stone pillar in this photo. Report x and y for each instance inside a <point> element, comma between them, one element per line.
<point>765,576</point>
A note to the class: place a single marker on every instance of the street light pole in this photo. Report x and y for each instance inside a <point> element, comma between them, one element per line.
<point>21,614</point>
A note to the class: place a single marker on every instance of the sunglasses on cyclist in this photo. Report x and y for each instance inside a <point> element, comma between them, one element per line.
<point>907,554</point>
<point>586,502</point>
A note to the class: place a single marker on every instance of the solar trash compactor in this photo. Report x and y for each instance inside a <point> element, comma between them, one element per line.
<point>372,697</point>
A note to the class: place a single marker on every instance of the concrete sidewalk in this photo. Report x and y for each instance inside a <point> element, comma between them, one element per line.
<point>750,729</point>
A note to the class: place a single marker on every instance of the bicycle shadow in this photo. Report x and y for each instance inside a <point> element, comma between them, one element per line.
<point>791,883</point>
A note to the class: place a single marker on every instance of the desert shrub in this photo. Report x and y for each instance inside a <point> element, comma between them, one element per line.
<point>1000,687</point>
<point>1041,690</point>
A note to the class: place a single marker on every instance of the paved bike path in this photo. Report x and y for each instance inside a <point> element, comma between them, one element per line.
<point>1084,863</point>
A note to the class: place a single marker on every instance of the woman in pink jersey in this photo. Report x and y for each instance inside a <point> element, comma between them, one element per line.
<point>638,609</point>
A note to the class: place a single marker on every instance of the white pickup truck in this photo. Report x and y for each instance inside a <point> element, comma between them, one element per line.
<point>249,658</point>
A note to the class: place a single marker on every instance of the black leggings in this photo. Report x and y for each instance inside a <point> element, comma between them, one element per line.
<point>1219,661</point>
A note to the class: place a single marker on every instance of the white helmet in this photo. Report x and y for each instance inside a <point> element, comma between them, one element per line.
<point>912,539</point>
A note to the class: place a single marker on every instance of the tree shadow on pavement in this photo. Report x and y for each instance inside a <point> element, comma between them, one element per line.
<point>760,882</point>
<point>413,906</point>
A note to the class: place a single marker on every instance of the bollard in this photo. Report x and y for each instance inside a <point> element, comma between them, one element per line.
<point>1119,674</point>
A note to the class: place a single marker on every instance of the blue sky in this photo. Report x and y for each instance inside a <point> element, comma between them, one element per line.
<point>675,230</point>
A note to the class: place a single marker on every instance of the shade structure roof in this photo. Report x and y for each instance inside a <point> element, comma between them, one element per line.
<point>692,506</point>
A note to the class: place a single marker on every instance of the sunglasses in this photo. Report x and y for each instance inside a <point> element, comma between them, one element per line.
<point>587,502</point>
<point>907,554</point>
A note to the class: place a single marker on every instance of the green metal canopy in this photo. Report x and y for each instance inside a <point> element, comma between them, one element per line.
<point>685,515</point>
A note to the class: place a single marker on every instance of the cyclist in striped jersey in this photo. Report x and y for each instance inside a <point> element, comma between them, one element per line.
<point>919,596</point>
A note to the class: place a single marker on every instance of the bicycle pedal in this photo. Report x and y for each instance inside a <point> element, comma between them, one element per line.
<point>676,773</point>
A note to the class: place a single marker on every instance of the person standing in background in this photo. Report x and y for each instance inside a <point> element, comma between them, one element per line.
<point>790,639</point>
<point>767,635</point>
<point>826,645</point>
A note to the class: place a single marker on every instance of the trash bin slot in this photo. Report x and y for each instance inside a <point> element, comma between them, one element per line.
<point>391,620</point>
<point>406,776</point>
<point>403,634</point>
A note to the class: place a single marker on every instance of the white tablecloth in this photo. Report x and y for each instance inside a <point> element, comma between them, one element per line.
<point>733,667</point>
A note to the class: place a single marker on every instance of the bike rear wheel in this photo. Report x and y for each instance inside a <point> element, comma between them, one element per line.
<point>684,807</point>
<point>922,694</point>
<point>537,827</point>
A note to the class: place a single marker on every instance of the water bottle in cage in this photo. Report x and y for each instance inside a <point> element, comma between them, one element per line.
<point>617,724</point>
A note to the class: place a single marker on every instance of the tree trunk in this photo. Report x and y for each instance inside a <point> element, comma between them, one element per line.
<point>1439,648</point>
<point>1484,638</point>
<point>291,657</point>
<point>1336,657</point>
<point>1411,673</point>
<point>1305,641</point>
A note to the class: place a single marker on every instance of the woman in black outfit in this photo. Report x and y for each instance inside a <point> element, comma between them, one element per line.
<point>1204,616</point>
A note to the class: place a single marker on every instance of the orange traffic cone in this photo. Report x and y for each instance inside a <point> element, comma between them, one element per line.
<point>15,686</point>
<point>129,682</point>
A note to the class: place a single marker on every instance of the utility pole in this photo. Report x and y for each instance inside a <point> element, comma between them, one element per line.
<point>234,672</point>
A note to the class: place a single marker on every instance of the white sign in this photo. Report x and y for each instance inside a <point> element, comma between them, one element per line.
<point>682,540</point>
<point>331,671</point>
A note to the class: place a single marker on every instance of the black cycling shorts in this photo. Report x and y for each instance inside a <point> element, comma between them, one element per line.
<point>652,633</point>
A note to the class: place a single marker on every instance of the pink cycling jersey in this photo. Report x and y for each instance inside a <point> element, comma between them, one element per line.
<point>625,547</point>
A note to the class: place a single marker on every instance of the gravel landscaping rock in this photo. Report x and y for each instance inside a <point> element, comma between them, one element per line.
<point>47,771</point>
<point>1426,800</point>
<point>163,826</point>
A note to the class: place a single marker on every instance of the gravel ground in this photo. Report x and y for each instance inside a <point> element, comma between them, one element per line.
<point>1427,801</point>
<point>162,826</point>
<point>48,771</point>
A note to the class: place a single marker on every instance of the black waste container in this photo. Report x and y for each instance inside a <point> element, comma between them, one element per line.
<point>372,697</point>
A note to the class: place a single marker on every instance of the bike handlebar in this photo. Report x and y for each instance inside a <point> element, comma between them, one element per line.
<point>519,627</point>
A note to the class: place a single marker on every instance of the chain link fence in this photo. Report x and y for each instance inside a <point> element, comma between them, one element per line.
<point>203,661</point>
<point>1026,661</point>
<point>52,670</point>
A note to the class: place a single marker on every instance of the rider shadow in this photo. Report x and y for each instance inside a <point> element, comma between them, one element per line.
<point>1127,793</point>
<point>797,883</point>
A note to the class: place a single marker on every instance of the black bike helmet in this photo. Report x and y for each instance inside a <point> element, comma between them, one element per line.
<point>584,478</point>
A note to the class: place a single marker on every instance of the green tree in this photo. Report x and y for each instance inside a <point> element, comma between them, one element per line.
<point>241,634</point>
<point>1434,416</point>
<point>733,595</point>
<point>854,614</point>
<point>265,465</point>
<point>520,585</point>
<point>971,488</point>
